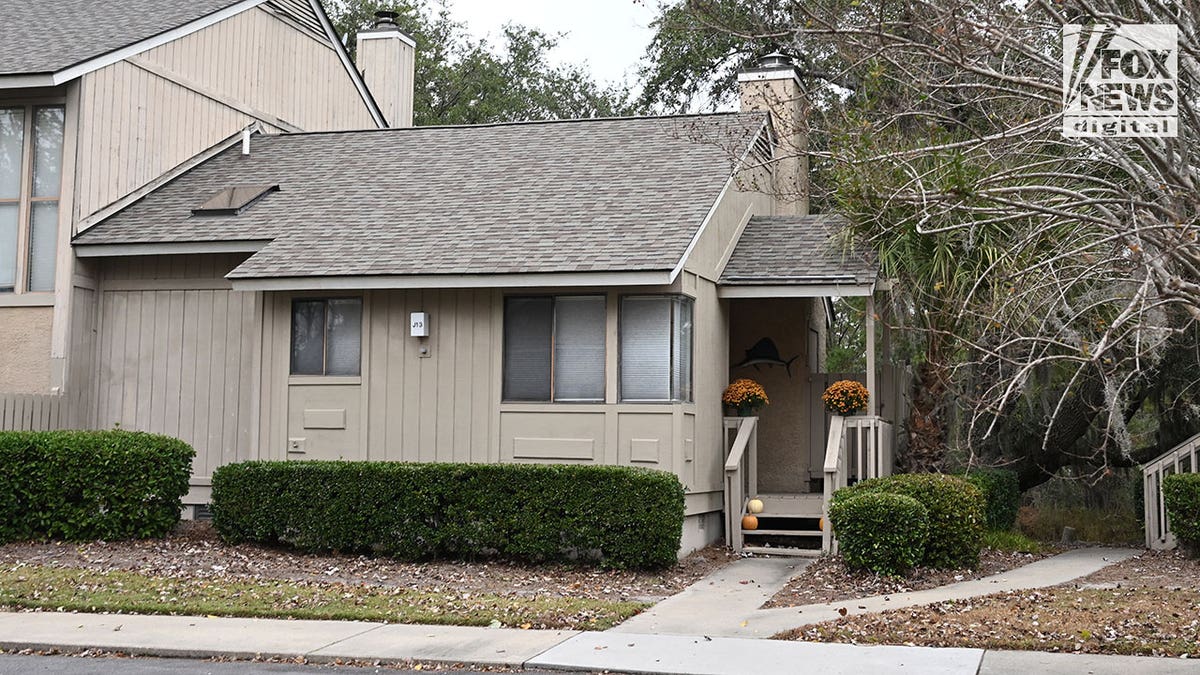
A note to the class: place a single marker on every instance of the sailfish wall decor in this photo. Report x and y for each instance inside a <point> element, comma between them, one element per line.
<point>764,352</point>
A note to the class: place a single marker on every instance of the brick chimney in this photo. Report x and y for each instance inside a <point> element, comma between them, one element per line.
<point>385,59</point>
<point>772,84</point>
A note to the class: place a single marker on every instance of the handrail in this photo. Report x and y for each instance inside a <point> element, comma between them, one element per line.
<point>1158,525</point>
<point>868,456</point>
<point>740,443</point>
<point>833,446</point>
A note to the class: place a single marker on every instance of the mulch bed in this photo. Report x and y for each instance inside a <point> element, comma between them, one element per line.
<point>194,550</point>
<point>828,580</point>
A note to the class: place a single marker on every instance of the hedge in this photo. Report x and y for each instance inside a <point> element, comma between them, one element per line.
<point>611,516</point>
<point>881,532</point>
<point>1001,490</point>
<point>80,485</point>
<point>1181,494</point>
<point>956,514</point>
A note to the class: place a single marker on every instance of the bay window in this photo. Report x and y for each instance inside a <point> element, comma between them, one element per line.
<point>554,348</point>
<point>656,348</point>
<point>31,141</point>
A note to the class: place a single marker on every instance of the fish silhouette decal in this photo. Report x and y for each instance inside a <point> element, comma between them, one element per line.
<point>764,352</point>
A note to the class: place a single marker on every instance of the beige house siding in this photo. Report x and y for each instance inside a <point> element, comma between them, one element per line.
<point>719,237</point>
<point>25,352</point>
<point>177,354</point>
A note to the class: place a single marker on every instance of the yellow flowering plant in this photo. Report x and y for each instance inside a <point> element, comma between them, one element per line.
<point>746,395</point>
<point>845,397</point>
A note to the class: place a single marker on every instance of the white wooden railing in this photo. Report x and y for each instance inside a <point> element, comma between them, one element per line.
<point>858,448</point>
<point>741,474</point>
<point>1183,458</point>
<point>35,412</point>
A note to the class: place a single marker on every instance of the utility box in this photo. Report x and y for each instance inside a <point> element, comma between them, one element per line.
<point>419,324</point>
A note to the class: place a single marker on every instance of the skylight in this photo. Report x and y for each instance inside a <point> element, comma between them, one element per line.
<point>233,200</point>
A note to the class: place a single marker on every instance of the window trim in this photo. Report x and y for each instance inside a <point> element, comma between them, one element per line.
<point>553,297</point>
<point>26,199</point>
<point>672,400</point>
<point>324,374</point>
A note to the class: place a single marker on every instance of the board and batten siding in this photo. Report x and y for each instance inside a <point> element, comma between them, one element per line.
<point>177,354</point>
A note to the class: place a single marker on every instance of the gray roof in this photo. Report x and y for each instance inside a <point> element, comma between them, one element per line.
<point>46,37</point>
<point>798,250</point>
<point>600,195</point>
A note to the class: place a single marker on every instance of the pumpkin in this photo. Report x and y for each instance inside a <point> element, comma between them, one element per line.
<point>755,506</point>
<point>749,522</point>
<point>821,524</point>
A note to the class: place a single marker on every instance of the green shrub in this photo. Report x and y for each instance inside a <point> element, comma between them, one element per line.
<point>1010,541</point>
<point>1001,495</point>
<point>955,508</point>
<point>881,532</point>
<point>80,485</point>
<point>613,516</point>
<point>1181,494</point>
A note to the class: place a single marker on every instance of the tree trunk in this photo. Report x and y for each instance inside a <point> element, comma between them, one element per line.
<point>926,423</point>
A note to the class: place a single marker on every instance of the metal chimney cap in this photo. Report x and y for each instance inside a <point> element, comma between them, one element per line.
<point>385,18</point>
<point>775,60</point>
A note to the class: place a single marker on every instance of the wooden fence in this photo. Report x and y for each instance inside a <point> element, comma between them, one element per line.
<point>37,412</point>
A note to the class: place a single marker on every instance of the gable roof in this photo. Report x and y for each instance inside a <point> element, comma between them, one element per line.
<point>50,43</point>
<point>572,196</point>
<point>796,251</point>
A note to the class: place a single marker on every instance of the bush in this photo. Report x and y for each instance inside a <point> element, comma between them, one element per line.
<point>1181,494</point>
<point>956,514</point>
<point>881,532</point>
<point>81,485</point>
<point>1001,495</point>
<point>1010,541</point>
<point>613,516</point>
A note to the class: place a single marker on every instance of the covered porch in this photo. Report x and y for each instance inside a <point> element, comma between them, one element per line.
<point>780,287</point>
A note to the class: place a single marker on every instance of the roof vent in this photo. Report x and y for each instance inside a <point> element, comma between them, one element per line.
<point>384,19</point>
<point>233,200</point>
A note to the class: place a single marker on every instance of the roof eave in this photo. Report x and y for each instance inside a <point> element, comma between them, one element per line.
<point>403,281</point>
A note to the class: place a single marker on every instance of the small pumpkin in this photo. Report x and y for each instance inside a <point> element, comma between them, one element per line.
<point>749,522</point>
<point>755,506</point>
<point>821,524</point>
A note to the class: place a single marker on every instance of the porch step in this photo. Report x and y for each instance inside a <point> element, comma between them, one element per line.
<point>784,533</point>
<point>803,505</point>
<point>794,552</point>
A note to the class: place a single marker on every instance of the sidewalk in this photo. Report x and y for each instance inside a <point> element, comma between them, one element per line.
<point>717,609</point>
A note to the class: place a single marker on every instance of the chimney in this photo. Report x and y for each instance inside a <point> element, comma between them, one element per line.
<point>772,84</point>
<point>385,59</point>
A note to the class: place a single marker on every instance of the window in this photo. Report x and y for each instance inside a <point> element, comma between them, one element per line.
<point>656,348</point>
<point>327,336</point>
<point>31,140</point>
<point>554,348</point>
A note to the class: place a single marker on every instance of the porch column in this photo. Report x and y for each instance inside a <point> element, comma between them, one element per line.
<point>873,402</point>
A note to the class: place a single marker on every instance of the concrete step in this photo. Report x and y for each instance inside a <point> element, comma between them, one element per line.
<point>784,533</point>
<point>781,550</point>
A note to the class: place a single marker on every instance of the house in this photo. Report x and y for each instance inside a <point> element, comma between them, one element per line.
<point>258,266</point>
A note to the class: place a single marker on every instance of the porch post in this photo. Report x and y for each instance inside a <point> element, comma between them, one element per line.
<point>873,402</point>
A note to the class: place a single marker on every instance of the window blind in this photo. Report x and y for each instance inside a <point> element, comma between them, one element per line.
<point>646,348</point>
<point>681,350</point>
<point>343,337</point>
<point>528,335</point>
<point>579,348</point>
<point>308,337</point>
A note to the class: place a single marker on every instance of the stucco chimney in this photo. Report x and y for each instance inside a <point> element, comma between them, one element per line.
<point>772,84</point>
<point>385,59</point>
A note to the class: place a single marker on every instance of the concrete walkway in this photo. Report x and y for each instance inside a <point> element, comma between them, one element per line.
<point>726,603</point>
<point>722,604</point>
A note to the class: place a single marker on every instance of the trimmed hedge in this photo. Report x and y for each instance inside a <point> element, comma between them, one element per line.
<point>881,532</point>
<point>80,485</point>
<point>956,514</point>
<point>1001,495</point>
<point>1181,494</point>
<point>612,516</point>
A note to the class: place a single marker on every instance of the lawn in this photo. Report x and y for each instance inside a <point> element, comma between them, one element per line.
<point>49,587</point>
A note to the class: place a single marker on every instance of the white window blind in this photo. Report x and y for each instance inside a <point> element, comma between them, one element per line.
<point>528,339</point>
<point>343,337</point>
<point>681,350</point>
<point>43,246</point>
<point>12,144</point>
<point>47,175</point>
<point>646,349</point>
<point>579,348</point>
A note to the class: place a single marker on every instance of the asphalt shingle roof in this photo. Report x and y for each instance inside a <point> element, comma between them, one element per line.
<point>797,250</point>
<point>570,196</point>
<point>46,37</point>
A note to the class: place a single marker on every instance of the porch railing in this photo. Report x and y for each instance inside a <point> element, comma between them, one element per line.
<point>741,473</point>
<point>858,448</point>
<point>1183,458</point>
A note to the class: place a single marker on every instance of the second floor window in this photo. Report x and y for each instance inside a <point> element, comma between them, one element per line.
<point>31,141</point>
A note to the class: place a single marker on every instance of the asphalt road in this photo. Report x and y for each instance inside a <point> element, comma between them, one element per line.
<point>73,665</point>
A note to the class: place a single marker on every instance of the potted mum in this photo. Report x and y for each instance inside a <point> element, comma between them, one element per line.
<point>745,397</point>
<point>846,397</point>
